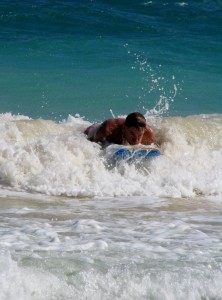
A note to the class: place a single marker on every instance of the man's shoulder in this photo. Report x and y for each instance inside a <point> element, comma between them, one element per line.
<point>149,128</point>
<point>149,136</point>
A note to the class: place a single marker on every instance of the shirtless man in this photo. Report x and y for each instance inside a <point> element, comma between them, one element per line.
<point>130,131</point>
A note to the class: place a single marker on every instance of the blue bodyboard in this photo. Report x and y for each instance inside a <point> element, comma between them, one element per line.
<point>129,152</point>
<point>126,152</point>
<point>137,152</point>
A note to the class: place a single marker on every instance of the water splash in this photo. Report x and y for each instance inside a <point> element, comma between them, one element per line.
<point>157,85</point>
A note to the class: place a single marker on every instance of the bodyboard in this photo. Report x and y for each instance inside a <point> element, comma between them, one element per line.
<point>119,152</point>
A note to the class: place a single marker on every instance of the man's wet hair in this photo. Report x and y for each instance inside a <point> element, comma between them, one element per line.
<point>135,119</point>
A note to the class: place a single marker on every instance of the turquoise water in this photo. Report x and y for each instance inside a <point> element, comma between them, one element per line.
<point>74,224</point>
<point>87,57</point>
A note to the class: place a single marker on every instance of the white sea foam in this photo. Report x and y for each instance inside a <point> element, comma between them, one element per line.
<point>120,282</point>
<point>57,159</point>
<point>116,248</point>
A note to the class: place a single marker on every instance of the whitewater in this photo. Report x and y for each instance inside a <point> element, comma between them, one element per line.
<point>57,159</point>
<point>75,225</point>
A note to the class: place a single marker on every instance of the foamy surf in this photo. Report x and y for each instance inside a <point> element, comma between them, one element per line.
<point>56,159</point>
<point>110,248</point>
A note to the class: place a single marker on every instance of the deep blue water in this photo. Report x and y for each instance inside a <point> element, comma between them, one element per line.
<point>87,57</point>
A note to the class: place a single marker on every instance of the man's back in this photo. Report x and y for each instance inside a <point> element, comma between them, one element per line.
<point>122,131</point>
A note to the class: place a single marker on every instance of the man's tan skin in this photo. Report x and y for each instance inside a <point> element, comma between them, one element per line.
<point>130,131</point>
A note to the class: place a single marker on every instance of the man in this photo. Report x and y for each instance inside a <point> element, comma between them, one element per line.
<point>130,131</point>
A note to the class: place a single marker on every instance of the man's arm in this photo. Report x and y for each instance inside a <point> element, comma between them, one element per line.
<point>101,133</point>
<point>149,136</point>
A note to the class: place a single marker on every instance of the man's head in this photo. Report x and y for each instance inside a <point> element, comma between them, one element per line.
<point>134,128</point>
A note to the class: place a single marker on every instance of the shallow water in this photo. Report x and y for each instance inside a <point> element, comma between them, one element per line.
<point>110,248</point>
<point>75,226</point>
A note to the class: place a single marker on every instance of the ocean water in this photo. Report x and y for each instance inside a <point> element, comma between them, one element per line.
<point>74,224</point>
